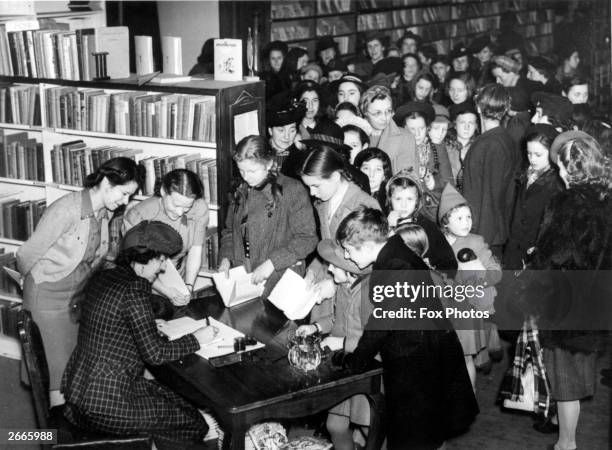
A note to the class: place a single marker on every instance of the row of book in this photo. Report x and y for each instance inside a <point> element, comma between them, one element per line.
<point>21,157</point>
<point>334,26</point>
<point>283,32</point>
<point>410,17</point>
<point>167,116</point>
<point>20,104</point>
<point>290,9</point>
<point>30,48</point>
<point>19,218</point>
<point>72,161</point>
<point>475,10</point>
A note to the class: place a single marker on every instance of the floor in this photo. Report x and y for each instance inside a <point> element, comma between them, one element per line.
<point>493,428</point>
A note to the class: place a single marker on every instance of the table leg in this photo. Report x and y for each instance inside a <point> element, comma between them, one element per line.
<point>376,433</point>
<point>237,434</point>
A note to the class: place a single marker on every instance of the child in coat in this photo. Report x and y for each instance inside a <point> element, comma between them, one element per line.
<point>455,218</point>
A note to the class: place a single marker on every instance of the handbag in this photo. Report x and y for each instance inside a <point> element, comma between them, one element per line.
<point>526,401</point>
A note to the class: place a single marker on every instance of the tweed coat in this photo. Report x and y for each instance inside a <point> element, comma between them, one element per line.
<point>103,384</point>
<point>285,233</point>
<point>400,145</point>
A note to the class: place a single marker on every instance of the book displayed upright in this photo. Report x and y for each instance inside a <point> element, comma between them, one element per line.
<point>143,50</point>
<point>172,55</point>
<point>116,42</point>
<point>228,59</point>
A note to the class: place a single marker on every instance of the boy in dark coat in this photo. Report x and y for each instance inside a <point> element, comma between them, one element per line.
<point>427,387</point>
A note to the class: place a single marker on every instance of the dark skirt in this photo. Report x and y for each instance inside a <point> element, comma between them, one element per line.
<point>572,376</point>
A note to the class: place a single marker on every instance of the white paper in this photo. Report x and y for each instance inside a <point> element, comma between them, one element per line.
<point>292,296</point>
<point>245,124</point>
<point>223,344</point>
<point>177,328</point>
<point>238,288</point>
<point>171,277</point>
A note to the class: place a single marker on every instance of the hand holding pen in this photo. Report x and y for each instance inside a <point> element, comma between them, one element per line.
<point>207,334</point>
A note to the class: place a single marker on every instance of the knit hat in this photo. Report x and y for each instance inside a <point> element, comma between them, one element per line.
<point>425,109</point>
<point>153,236</point>
<point>333,254</point>
<point>442,114</point>
<point>506,63</point>
<point>312,66</point>
<point>564,138</point>
<point>552,105</point>
<point>450,199</point>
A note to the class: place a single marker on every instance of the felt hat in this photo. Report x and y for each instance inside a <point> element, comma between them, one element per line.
<point>442,114</point>
<point>327,133</point>
<point>281,111</point>
<point>306,85</point>
<point>390,65</point>
<point>381,79</point>
<point>506,63</point>
<point>552,105</point>
<point>333,254</point>
<point>153,236</point>
<point>336,64</point>
<point>450,199</point>
<point>543,64</point>
<point>312,66</point>
<point>544,129</point>
<point>406,109</point>
<point>480,43</point>
<point>458,51</point>
<point>564,138</point>
<point>324,43</point>
<point>465,107</point>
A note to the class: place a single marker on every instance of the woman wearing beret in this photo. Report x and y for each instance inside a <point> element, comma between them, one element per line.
<point>178,202</point>
<point>104,385</point>
<point>69,243</point>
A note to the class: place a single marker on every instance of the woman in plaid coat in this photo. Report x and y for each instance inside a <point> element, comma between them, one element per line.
<point>103,384</point>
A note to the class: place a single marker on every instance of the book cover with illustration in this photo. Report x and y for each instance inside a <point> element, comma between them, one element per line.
<point>228,59</point>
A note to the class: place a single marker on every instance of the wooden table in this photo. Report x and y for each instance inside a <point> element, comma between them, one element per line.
<point>265,386</point>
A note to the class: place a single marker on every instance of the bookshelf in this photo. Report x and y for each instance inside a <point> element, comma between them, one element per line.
<point>230,99</point>
<point>441,23</point>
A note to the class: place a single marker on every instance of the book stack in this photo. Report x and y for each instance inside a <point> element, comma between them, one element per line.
<point>167,116</point>
<point>20,105</point>
<point>18,219</point>
<point>205,168</point>
<point>20,157</point>
<point>72,161</point>
<point>30,48</point>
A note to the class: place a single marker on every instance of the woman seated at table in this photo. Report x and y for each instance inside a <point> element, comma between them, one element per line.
<point>103,384</point>
<point>178,202</point>
<point>270,223</point>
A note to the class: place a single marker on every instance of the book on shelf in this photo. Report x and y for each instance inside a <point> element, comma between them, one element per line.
<point>19,104</point>
<point>137,113</point>
<point>19,218</point>
<point>143,49</point>
<point>116,42</point>
<point>172,55</point>
<point>21,157</point>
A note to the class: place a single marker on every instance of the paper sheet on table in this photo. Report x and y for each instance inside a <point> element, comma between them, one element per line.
<point>291,295</point>
<point>171,277</point>
<point>223,344</point>
<point>238,288</point>
<point>177,328</point>
<point>245,124</point>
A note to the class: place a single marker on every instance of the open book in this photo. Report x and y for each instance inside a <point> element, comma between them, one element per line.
<point>238,288</point>
<point>180,327</point>
<point>292,296</point>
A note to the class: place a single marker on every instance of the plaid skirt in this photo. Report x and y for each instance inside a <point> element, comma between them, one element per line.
<point>572,376</point>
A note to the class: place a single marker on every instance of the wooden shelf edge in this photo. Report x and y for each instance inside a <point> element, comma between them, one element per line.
<point>8,241</point>
<point>10,298</point>
<point>9,347</point>
<point>18,126</point>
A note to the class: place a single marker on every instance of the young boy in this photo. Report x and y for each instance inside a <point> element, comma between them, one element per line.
<point>427,388</point>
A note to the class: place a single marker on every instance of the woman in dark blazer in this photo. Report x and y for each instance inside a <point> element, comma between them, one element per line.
<point>270,222</point>
<point>104,383</point>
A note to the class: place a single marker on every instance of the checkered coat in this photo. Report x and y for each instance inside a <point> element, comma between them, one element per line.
<point>103,383</point>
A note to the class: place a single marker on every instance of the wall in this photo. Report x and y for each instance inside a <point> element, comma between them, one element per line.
<point>193,21</point>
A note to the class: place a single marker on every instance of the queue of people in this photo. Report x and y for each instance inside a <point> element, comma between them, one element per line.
<point>402,160</point>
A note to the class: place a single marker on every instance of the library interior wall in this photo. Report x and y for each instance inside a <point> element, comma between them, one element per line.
<point>193,21</point>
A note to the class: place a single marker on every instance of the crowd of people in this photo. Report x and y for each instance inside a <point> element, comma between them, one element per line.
<point>443,166</point>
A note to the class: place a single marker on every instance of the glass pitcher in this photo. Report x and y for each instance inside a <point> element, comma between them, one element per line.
<point>305,351</point>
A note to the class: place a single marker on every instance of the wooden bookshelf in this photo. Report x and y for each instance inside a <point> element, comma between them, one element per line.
<point>442,23</point>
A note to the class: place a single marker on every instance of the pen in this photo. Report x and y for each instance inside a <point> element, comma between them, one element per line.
<point>207,321</point>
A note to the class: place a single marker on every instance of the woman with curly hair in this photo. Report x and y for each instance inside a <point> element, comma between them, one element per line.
<point>570,295</point>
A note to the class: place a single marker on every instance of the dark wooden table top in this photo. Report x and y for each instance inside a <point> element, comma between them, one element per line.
<point>265,377</point>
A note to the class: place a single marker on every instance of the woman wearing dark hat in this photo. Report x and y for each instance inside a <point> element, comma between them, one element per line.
<point>481,50</point>
<point>534,189</point>
<point>283,119</point>
<point>552,109</point>
<point>326,49</point>
<point>460,58</point>
<point>542,70</point>
<point>270,223</point>
<point>104,385</point>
